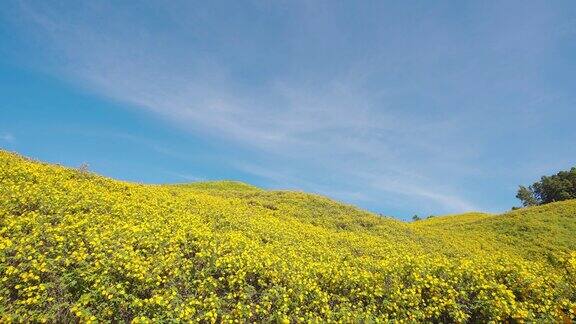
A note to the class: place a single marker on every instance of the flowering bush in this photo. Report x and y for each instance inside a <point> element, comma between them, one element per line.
<point>76,246</point>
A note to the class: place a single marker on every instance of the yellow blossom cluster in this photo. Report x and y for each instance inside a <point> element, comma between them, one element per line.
<point>79,247</point>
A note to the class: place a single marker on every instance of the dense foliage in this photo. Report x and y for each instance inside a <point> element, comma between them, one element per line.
<point>558,187</point>
<point>76,246</point>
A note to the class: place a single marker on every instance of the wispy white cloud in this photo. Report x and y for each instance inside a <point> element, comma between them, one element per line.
<point>339,131</point>
<point>185,176</point>
<point>284,180</point>
<point>7,137</point>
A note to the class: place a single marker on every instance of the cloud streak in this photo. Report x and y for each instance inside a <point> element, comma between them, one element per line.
<point>350,128</point>
<point>7,137</point>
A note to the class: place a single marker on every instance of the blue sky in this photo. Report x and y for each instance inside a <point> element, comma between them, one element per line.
<point>400,107</point>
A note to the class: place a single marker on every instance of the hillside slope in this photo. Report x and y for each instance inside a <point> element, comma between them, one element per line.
<point>74,245</point>
<point>536,233</point>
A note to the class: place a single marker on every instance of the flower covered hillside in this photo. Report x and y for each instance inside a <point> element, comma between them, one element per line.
<point>75,246</point>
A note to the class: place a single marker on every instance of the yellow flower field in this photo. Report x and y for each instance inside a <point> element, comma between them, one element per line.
<point>77,246</point>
